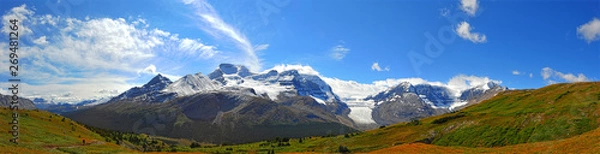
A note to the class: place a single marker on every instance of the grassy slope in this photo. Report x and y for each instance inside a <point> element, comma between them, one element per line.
<point>44,132</point>
<point>588,142</point>
<point>555,112</point>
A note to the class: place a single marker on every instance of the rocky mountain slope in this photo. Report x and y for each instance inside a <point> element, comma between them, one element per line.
<point>407,102</point>
<point>5,101</point>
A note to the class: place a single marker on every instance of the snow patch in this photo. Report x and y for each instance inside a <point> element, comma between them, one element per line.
<point>320,101</point>
<point>428,102</point>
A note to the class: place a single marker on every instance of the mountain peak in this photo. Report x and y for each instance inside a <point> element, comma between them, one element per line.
<point>240,70</point>
<point>404,87</point>
<point>159,79</point>
<point>229,69</point>
<point>149,91</point>
<point>191,84</point>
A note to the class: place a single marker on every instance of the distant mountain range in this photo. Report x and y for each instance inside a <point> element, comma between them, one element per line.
<point>407,102</point>
<point>5,101</point>
<point>233,100</point>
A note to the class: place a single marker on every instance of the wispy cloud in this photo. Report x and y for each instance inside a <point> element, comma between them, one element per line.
<point>590,31</point>
<point>519,73</point>
<point>376,67</point>
<point>261,47</point>
<point>469,6</point>
<point>41,41</point>
<point>198,48</point>
<point>515,72</point>
<point>217,27</point>
<point>464,31</point>
<point>338,52</point>
<point>444,12</point>
<point>552,76</point>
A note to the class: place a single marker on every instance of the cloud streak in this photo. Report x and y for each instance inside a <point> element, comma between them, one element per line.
<point>339,52</point>
<point>217,27</point>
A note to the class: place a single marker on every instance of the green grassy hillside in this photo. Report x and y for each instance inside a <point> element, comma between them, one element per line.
<point>44,132</point>
<point>554,112</point>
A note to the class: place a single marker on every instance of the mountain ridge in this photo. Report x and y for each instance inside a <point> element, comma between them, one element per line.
<point>281,84</point>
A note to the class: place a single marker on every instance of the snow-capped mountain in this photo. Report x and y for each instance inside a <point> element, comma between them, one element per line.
<point>275,84</point>
<point>271,84</point>
<point>477,94</point>
<point>406,101</point>
<point>191,84</point>
<point>149,92</point>
<point>402,100</point>
<point>229,72</point>
<point>230,100</point>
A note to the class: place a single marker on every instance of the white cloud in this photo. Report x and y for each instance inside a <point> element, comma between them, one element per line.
<point>552,76</point>
<point>217,27</point>
<point>515,72</point>
<point>463,82</point>
<point>46,19</point>
<point>339,52</point>
<point>376,67</point>
<point>530,75</point>
<point>85,89</point>
<point>81,53</point>
<point>23,15</point>
<point>304,69</point>
<point>150,69</point>
<point>590,31</point>
<point>469,6</point>
<point>464,31</point>
<point>352,90</point>
<point>41,41</point>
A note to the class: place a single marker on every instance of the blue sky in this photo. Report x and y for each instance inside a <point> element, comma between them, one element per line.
<point>73,45</point>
